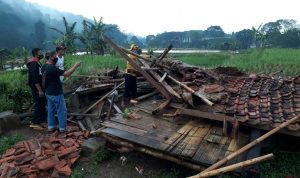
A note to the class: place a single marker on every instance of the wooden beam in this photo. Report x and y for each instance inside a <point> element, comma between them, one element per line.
<point>163,77</point>
<point>116,107</point>
<point>146,96</point>
<point>192,91</point>
<point>235,166</point>
<point>157,85</point>
<point>110,107</point>
<point>164,83</point>
<point>83,115</point>
<point>162,55</point>
<point>249,145</point>
<point>161,107</point>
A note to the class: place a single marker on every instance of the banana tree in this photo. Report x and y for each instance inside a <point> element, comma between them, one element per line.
<point>68,36</point>
<point>259,36</point>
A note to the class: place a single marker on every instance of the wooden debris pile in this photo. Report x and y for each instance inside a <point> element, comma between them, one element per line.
<point>203,93</point>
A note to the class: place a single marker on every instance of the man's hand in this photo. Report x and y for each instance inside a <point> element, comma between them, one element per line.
<point>41,93</point>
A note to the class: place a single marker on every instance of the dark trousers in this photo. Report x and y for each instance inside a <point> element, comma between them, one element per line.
<point>130,86</point>
<point>40,114</point>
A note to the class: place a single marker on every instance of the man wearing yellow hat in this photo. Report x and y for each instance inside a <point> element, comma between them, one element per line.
<point>130,76</point>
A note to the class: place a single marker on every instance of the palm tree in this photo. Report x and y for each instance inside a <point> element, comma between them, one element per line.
<point>69,35</point>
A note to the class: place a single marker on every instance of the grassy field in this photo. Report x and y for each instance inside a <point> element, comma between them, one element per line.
<point>265,61</point>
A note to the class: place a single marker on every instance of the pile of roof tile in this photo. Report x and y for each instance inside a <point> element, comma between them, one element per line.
<point>263,100</point>
<point>49,155</point>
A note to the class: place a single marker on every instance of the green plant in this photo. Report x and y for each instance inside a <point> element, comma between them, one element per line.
<point>9,141</point>
<point>19,96</point>
<point>101,155</point>
<point>126,113</point>
<point>172,174</point>
<point>77,174</point>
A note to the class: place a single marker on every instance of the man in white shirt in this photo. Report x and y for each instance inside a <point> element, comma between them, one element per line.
<point>60,50</point>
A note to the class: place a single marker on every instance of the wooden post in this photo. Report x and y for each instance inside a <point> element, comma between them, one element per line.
<point>249,145</point>
<point>235,166</point>
<point>110,107</point>
<point>192,91</point>
<point>157,85</point>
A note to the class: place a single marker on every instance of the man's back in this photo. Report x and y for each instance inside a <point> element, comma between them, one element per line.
<point>52,81</point>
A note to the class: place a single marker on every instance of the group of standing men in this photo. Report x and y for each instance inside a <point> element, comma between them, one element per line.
<point>46,83</point>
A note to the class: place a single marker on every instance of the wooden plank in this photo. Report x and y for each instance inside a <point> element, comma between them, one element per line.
<point>174,144</point>
<point>124,128</point>
<point>133,137</point>
<point>207,153</point>
<point>157,85</point>
<point>176,136</point>
<point>184,143</point>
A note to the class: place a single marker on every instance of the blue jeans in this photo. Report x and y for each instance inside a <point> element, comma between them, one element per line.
<point>56,104</point>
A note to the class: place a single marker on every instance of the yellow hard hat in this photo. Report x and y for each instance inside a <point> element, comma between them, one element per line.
<point>133,47</point>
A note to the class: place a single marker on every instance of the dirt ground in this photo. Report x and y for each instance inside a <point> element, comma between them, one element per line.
<point>112,167</point>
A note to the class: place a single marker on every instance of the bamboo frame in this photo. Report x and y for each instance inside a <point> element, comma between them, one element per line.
<point>249,145</point>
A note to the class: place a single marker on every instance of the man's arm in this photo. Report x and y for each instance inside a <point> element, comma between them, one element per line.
<point>70,71</point>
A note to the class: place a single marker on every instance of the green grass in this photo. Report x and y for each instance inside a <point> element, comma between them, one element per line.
<point>11,84</point>
<point>8,142</point>
<point>284,164</point>
<point>94,64</point>
<point>265,61</point>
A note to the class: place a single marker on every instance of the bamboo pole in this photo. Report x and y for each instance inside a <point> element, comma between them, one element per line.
<point>146,95</point>
<point>191,90</point>
<point>249,145</point>
<point>236,166</point>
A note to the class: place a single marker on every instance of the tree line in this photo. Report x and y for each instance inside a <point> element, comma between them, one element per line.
<point>283,33</point>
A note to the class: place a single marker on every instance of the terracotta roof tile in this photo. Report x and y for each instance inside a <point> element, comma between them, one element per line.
<point>37,157</point>
<point>262,100</point>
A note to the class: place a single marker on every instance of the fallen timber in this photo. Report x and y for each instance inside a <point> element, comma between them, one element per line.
<point>164,124</point>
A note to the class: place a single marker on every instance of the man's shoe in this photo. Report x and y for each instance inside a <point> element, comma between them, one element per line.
<point>36,126</point>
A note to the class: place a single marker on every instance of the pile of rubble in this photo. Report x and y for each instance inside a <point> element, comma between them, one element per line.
<point>49,155</point>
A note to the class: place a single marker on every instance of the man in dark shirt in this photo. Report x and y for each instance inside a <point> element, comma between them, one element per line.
<point>54,92</point>
<point>35,83</point>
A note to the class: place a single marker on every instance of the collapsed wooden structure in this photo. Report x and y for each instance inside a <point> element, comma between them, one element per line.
<point>186,114</point>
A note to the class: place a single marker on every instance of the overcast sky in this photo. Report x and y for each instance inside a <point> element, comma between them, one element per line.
<point>144,17</point>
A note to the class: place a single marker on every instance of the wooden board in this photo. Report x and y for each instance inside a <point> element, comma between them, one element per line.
<point>196,141</point>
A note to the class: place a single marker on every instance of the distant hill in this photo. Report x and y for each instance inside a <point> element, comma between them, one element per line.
<point>20,21</point>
